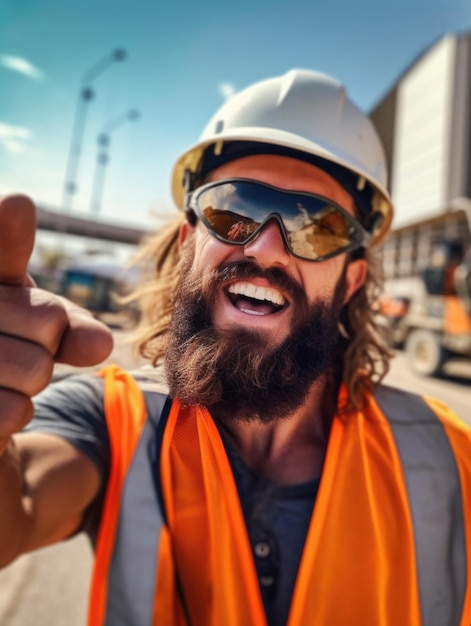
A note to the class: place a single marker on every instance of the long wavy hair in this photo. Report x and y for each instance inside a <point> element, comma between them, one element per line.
<point>364,356</point>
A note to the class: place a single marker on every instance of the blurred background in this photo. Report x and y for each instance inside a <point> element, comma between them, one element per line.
<point>99,98</point>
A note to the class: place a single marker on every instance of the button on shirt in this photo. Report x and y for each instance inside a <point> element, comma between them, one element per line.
<point>277,519</point>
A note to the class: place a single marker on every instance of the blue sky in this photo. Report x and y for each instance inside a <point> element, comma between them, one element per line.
<point>183,59</point>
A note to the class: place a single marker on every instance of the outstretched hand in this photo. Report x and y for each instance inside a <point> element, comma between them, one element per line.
<point>37,328</point>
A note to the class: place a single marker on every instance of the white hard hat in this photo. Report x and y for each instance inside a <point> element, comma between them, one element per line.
<point>305,112</point>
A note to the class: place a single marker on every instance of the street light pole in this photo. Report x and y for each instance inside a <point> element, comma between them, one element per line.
<point>86,95</point>
<point>103,157</point>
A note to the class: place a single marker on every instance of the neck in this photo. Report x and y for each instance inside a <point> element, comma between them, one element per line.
<point>290,450</point>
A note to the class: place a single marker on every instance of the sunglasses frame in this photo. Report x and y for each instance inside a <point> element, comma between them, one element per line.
<point>361,237</point>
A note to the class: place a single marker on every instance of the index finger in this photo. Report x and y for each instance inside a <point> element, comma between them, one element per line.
<point>17,230</point>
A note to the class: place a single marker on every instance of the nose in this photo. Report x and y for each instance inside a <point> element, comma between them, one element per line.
<point>268,248</point>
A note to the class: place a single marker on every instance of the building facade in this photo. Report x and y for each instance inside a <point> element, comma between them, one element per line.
<point>425,125</point>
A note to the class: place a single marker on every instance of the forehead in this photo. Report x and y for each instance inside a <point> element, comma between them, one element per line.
<point>286,173</point>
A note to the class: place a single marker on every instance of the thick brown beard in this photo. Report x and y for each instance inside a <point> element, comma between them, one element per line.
<point>236,374</point>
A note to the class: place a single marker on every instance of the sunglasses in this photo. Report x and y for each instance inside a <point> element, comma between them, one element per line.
<point>314,228</point>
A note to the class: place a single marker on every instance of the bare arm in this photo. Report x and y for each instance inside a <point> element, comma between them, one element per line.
<point>45,483</point>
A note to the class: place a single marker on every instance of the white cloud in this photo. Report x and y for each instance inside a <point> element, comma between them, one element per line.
<point>226,90</point>
<point>14,138</point>
<point>22,66</point>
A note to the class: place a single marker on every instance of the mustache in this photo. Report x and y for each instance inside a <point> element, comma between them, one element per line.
<point>245,270</point>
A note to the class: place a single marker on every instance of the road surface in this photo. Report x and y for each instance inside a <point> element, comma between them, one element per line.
<point>455,390</point>
<point>49,588</point>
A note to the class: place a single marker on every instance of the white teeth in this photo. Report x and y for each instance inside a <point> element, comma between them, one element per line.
<point>256,292</point>
<point>250,312</point>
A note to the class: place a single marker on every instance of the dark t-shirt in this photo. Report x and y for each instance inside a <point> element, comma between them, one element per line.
<point>277,517</point>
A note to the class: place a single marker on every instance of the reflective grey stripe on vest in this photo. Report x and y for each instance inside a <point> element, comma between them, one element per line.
<point>131,583</point>
<point>436,505</point>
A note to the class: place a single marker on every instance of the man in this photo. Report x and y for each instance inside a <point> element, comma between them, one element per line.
<point>277,483</point>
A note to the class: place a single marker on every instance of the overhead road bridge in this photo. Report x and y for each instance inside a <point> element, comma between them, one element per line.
<point>54,221</point>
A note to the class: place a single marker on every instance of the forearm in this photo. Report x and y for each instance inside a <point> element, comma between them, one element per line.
<point>14,520</point>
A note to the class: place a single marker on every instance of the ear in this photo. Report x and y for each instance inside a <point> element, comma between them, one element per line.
<point>355,277</point>
<point>186,229</point>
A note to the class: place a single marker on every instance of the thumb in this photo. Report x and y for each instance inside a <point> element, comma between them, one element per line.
<point>17,230</point>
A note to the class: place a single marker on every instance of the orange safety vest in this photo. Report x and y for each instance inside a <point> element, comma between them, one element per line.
<point>388,543</point>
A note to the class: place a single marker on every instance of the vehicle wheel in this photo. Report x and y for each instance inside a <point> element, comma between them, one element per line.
<point>425,353</point>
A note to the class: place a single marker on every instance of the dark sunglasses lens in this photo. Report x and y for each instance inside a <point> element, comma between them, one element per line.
<point>230,212</point>
<point>230,226</point>
<point>313,227</point>
<point>323,230</point>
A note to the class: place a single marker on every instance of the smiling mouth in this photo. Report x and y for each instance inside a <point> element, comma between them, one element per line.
<point>254,299</point>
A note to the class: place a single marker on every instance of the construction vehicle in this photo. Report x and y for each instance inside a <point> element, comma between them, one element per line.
<point>426,305</point>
